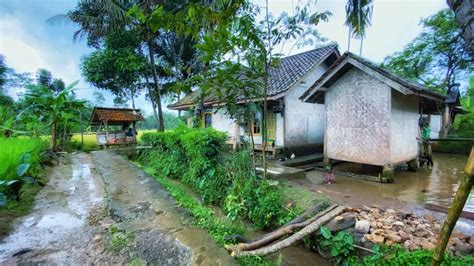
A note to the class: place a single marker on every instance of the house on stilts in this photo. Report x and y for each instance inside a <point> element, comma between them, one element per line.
<point>371,116</point>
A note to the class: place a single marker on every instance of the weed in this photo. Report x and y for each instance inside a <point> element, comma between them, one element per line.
<point>397,255</point>
<point>119,239</point>
<point>340,245</point>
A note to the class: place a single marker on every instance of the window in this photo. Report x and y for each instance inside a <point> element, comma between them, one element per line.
<point>207,120</point>
<point>257,123</point>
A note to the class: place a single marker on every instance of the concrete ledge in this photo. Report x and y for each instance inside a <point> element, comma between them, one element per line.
<point>276,171</point>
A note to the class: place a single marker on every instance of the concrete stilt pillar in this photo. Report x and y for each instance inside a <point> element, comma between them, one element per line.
<point>414,164</point>
<point>387,173</point>
<point>327,163</point>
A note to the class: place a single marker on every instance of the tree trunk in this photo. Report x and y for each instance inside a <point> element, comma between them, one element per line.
<point>132,91</point>
<point>455,210</point>
<point>152,100</point>
<point>307,230</point>
<point>268,57</point>
<point>464,16</point>
<point>445,122</point>
<point>53,136</point>
<point>361,44</point>
<point>161,126</point>
<point>277,234</point>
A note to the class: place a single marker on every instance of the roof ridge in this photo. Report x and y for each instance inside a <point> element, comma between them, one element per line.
<point>312,50</point>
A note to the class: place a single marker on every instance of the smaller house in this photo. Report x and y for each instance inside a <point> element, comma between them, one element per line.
<point>372,116</point>
<point>117,126</point>
<point>292,125</point>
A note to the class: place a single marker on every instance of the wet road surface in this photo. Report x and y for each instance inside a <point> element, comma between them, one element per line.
<point>87,194</point>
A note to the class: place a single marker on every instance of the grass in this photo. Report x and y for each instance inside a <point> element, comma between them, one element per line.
<point>11,151</point>
<point>90,140</point>
<point>301,196</point>
<point>205,217</point>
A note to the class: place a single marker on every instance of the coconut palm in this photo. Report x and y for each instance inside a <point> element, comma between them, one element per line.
<point>358,18</point>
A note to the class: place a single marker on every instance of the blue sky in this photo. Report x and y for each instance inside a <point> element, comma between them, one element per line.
<point>29,42</point>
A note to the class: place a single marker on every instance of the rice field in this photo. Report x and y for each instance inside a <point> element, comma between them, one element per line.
<point>90,141</point>
<point>11,151</point>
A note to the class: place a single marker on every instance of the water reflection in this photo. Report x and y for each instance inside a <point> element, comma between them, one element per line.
<point>437,185</point>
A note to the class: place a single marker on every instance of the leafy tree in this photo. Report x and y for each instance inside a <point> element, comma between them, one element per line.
<point>117,66</point>
<point>438,57</point>
<point>9,78</point>
<point>44,77</point>
<point>99,98</point>
<point>358,18</point>
<point>99,18</point>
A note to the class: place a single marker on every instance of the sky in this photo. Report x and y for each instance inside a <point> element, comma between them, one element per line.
<point>29,42</point>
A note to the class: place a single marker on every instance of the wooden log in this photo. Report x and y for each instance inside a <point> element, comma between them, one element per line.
<point>309,229</point>
<point>277,234</point>
<point>455,210</point>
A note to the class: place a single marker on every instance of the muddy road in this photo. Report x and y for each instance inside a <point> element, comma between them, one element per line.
<point>98,208</point>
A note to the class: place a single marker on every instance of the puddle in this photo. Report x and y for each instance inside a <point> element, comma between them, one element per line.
<point>63,220</point>
<point>436,186</point>
<point>58,220</point>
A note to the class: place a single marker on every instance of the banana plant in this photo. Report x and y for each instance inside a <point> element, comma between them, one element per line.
<point>53,109</point>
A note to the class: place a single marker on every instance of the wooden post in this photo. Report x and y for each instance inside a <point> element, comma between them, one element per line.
<point>106,134</point>
<point>445,122</point>
<point>455,210</point>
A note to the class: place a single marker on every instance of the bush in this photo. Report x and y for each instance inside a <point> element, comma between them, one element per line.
<point>196,157</point>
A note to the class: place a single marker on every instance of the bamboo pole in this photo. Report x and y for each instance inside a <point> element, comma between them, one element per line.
<point>455,210</point>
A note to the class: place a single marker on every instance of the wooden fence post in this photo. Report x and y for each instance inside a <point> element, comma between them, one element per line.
<point>455,210</point>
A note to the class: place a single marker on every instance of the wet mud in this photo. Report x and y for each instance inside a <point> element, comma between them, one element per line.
<point>88,196</point>
<point>409,192</point>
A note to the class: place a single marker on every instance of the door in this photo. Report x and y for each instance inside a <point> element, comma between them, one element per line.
<point>271,127</point>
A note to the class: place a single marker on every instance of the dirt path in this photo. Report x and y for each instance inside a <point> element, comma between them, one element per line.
<point>98,208</point>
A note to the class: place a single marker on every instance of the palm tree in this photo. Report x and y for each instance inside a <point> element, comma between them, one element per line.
<point>358,18</point>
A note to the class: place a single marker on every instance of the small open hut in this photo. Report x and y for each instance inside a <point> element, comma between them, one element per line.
<point>123,119</point>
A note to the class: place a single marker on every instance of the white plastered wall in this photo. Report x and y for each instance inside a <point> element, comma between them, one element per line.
<point>304,122</point>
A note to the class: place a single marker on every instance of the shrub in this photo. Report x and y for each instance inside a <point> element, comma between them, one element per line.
<point>197,158</point>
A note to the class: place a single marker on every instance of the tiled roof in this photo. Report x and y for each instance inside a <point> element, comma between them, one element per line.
<point>342,60</point>
<point>293,68</point>
<point>115,115</point>
<point>282,78</point>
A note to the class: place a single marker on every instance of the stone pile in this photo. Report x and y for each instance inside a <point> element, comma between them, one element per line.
<point>375,225</point>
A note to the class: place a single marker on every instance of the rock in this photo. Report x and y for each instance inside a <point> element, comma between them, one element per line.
<point>394,237</point>
<point>403,235</point>
<point>398,223</point>
<point>362,226</point>
<point>97,238</point>
<point>463,248</point>
<point>377,239</point>
<point>408,245</point>
<point>425,244</point>
<point>344,221</point>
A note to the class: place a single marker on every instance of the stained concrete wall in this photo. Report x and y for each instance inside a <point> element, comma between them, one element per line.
<point>304,122</point>
<point>358,119</point>
<point>404,127</point>
<point>222,122</point>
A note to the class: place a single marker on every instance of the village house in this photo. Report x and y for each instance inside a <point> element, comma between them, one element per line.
<point>293,126</point>
<point>372,116</point>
